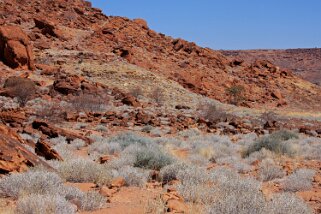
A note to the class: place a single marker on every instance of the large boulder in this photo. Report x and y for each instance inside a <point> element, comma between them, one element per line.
<point>15,48</point>
<point>14,157</point>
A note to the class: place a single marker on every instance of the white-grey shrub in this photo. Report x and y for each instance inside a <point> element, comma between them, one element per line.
<point>300,180</point>
<point>195,185</point>
<point>222,174</point>
<point>268,170</point>
<point>287,203</point>
<point>170,172</point>
<point>66,151</point>
<point>49,204</point>
<point>58,140</point>
<point>237,196</point>
<point>92,201</point>
<point>133,176</point>
<point>104,148</point>
<point>84,170</point>
<point>77,144</point>
<point>30,182</point>
<point>259,156</point>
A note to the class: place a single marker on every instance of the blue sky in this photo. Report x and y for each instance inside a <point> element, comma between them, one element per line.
<point>228,24</point>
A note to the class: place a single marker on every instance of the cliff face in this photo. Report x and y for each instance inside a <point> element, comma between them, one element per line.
<point>306,63</point>
<point>66,32</point>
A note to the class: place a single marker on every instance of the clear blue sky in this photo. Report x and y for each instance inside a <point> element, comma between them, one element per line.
<point>228,24</point>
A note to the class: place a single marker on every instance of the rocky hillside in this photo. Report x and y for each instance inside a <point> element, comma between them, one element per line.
<point>101,114</point>
<point>303,62</point>
<point>70,34</point>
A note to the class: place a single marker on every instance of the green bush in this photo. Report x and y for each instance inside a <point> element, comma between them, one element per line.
<point>273,142</point>
<point>151,157</point>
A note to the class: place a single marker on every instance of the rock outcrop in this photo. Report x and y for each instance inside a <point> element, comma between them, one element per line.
<point>14,156</point>
<point>15,48</point>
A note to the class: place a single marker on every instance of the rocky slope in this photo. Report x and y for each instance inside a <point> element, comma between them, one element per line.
<point>74,81</point>
<point>70,34</point>
<point>303,62</point>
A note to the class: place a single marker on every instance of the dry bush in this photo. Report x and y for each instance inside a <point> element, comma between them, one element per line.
<point>194,186</point>
<point>286,203</point>
<point>92,201</point>
<point>240,195</point>
<point>51,112</point>
<point>158,95</point>
<point>300,180</point>
<point>269,171</point>
<point>236,94</point>
<point>83,170</point>
<point>274,142</point>
<point>212,113</point>
<point>170,172</point>
<point>133,176</point>
<point>156,206</point>
<point>21,88</point>
<point>89,103</point>
<point>268,116</point>
<point>50,204</point>
<point>137,91</point>
<point>30,182</point>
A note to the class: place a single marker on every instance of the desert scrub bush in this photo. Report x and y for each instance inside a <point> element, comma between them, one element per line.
<point>189,133</point>
<point>156,205</point>
<point>151,157</point>
<point>101,128</point>
<point>237,196</point>
<point>170,172</point>
<point>236,93</point>
<point>83,170</point>
<point>198,159</point>
<point>66,151</point>
<point>58,140</point>
<point>260,155</point>
<point>52,112</point>
<point>213,146</point>
<point>21,88</point>
<point>300,180</point>
<point>7,103</point>
<point>133,176</point>
<point>89,103</point>
<point>92,201</point>
<point>50,204</point>
<point>209,111</point>
<point>128,138</point>
<point>104,148</point>
<point>268,170</point>
<point>195,185</point>
<point>137,92</point>
<point>158,95</point>
<point>308,147</point>
<point>275,142</point>
<point>77,144</point>
<point>287,203</point>
<point>223,173</point>
<point>30,182</point>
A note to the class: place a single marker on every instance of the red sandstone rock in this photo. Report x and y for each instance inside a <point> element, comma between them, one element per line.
<point>15,48</point>
<point>14,157</point>
<point>44,149</point>
<point>52,131</point>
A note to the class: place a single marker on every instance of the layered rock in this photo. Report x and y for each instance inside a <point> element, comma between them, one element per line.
<point>15,48</point>
<point>14,156</point>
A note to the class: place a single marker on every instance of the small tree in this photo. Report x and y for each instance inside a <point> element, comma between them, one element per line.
<point>158,95</point>
<point>137,91</point>
<point>21,88</point>
<point>210,112</point>
<point>236,94</point>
